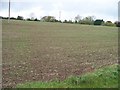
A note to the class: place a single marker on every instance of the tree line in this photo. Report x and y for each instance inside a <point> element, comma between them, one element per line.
<point>89,20</point>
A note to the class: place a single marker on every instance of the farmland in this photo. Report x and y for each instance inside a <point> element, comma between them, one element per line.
<point>40,51</point>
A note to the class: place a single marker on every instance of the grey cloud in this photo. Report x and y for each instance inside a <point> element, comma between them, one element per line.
<point>69,6</point>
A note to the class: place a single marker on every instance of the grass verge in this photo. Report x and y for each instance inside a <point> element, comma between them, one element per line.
<point>106,77</point>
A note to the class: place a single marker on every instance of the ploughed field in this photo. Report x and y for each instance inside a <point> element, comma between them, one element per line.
<point>40,51</point>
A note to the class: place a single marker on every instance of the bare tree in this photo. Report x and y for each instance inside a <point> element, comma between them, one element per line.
<point>77,18</point>
<point>88,20</point>
<point>32,16</point>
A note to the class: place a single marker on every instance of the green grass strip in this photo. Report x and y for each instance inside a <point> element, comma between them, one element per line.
<point>106,77</point>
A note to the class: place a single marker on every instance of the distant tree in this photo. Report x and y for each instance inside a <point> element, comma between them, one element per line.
<point>98,22</point>
<point>2,17</point>
<point>70,21</point>
<point>88,20</point>
<point>109,23</point>
<point>48,19</point>
<point>77,19</point>
<point>13,18</point>
<point>28,19</point>
<point>20,18</point>
<point>36,19</point>
<point>117,23</point>
<point>32,16</point>
<point>65,21</point>
<point>59,21</point>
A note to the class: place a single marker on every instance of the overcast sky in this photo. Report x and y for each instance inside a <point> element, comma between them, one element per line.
<point>101,9</point>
